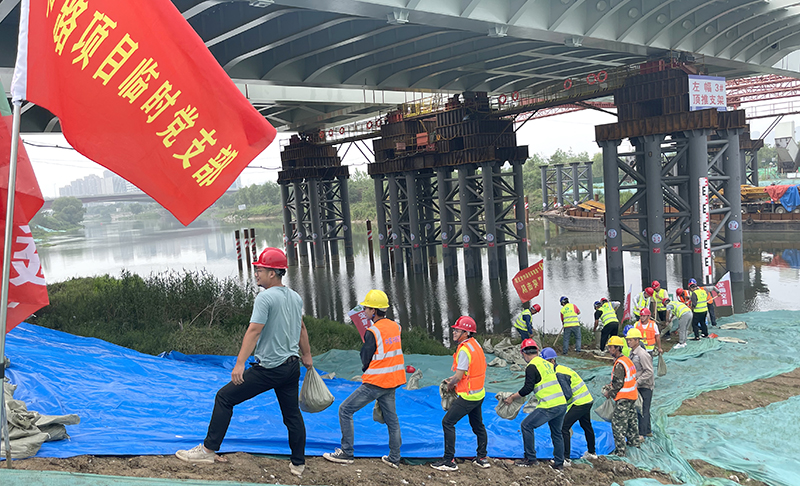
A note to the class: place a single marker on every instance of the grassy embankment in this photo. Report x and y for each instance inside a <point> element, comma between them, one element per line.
<point>190,312</point>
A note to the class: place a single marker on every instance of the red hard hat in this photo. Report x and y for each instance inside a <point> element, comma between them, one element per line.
<point>679,291</point>
<point>649,291</point>
<point>645,312</point>
<point>537,308</point>
<point>655,284</point>
<point>466,323</point>
<point>272,258</point>
<point>665,301</point>
<point>528,343</point>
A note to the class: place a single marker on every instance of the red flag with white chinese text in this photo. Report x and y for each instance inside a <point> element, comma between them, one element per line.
<point>137,91</point>
<point>530,281</point>
<point>27,291</point>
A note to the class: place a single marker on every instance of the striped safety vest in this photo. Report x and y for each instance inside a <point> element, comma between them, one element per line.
<point>679,308</point>
<point>642,302</point>
<point>660,295</point>
<point>649,333</point>
<point>570,316</point>
<point>628,389</point>
<point>608,315</point>
<point>702,300</point>
<point>548,391</point>
<point>520,322</point>
<point>580,392</point>
<point>471,385</point>
<point>387,369</point>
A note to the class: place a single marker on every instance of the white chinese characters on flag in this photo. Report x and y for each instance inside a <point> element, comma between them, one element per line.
<point>725,296</point>
<point>628,313</point>
<point>707,92</point>
<point>27,290</point>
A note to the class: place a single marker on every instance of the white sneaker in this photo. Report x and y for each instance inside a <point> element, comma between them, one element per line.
<point>197,455</point>
<point>679,346</point>
<point>297,470</point>
<point>338,456</point>
<point>589,455</point>
<point>567,463</point>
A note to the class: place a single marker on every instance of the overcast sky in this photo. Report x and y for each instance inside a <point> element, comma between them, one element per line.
<point>57,167</point>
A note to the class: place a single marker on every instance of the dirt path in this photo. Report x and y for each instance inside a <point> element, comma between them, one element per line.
<point>364,472</point>
<point>759,393</point>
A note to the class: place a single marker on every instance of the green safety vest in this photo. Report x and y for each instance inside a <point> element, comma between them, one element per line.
<point>626,350</point>
<point>660,296</point>
<point>679,308</point>
<point>571,318</point>
<point>702,300</point>
<point>608,315</point>
<point>580,392</point>
<point>642,302</point>
<point>548,392</point>
<point>520,322</point>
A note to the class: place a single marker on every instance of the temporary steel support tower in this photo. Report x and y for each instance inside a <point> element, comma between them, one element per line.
<point>567,183</point>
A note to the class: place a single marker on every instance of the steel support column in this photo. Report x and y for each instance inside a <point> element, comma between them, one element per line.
<point>449,257</point>
<point>576,187</point>
<point>545,200</point>
<point>316,227</point>
<point>657,254</point>
<point>468,237</point>
<point>288,239</point>
<point>383,237</point>
<point>687,257</point>
<point>346,219</point>
<point>300,212</point>
<point>589,181</point>
<point>559,186</point>
<point>491,224</point>
<point>329,225</point>
<point>396,238</point>
<point>414,234</point>
<point>614,264</point>
<point>734,254</point>
<point>522,230</point>
<point>698,168</point>
<point>500,234</point>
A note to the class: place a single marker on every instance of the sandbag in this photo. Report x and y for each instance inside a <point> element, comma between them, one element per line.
<point>487,346</point>
<point>314,395</point>
<point>728,339</point>
<point>662,366</point>
<point>498,363</point>
<point>734,325</point>
<point>448,396</point>
<point>533,402</point>
<point>377,413</point>
<point>606,410</point>
<point>505,411</point>
<point>639,405</point>
<point>413,380</point>
<point>329,376</point>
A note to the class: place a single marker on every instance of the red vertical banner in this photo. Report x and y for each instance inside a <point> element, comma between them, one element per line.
<point>137,91</point>
<point>530,281</point>
<point>360,320</point>
<point>724,297</point>
<point>628,313</point>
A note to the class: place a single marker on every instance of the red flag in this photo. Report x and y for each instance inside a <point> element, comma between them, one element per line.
<point>725,296</point>
<point>27,291</point>
<point>628,313</point>
<point>137,91</point>
<point>530,281</point>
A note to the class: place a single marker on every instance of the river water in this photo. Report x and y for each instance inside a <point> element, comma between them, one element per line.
<point>574,266</point>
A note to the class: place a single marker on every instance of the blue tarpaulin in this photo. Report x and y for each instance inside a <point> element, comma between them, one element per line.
<point>791,198</point>
<point>136,404</point>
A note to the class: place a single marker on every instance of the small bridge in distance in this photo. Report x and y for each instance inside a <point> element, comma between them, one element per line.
<point>126,197</point>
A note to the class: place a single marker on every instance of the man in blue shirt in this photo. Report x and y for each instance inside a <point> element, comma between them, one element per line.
<point>275,335</point>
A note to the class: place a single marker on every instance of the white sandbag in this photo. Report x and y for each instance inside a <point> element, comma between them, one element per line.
<point>639,405</point>
<point>662,366</point>
<point>448,396</point>
<point>329,376</point>
<point>498,363</point>
<point>505,411</point>
<point>606,410</point>
<point>515,368</point>
<point>314,395</point>
<point>377,414</point>
<point>487,346</point>
<point>413,380</point>
<point>531,405</point>
<point>734,325</point>
<point>728,339</point>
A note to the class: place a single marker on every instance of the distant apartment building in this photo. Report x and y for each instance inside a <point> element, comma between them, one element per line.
<point>93,185</point>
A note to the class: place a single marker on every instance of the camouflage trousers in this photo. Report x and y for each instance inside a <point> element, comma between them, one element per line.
<point>625,425</point>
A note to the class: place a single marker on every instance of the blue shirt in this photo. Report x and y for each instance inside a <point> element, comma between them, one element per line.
<point>280,310</point>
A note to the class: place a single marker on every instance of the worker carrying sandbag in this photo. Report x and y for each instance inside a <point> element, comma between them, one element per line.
<point>524,321</point>
<point>469,364</point>
<point>622,389</point>
<point>384,371</point>
<point>579,407</point>
<point>541,379</point>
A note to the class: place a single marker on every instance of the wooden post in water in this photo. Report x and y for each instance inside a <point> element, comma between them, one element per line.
<point>247,247</point>
<point>238,249</point>
<point>253,244</point>
<point>369,245</point>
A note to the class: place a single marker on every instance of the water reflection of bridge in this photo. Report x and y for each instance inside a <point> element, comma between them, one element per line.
<point>126,197</point>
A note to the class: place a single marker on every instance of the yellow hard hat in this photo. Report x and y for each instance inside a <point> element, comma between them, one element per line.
<point>634,334</point>
<point>376,299</point>
<point>616,341</point>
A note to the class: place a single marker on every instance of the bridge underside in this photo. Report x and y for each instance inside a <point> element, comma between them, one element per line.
<point>456,45</point>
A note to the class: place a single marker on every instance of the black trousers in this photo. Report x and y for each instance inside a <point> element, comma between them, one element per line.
<point>284,379</point>
<point>457,411</point>
<point>583,415</point>
<point>610,329</point>
<point>644,417</point>
<point>699,323</point>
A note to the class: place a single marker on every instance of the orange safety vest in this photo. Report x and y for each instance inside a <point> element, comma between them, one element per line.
<point>387,369</point>
<point>628,389</point>
<point>686,299</point>
<point>649,332</point>
<point>471,384</point>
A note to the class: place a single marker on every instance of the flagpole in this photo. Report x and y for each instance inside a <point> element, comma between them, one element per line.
<point>12,183</point>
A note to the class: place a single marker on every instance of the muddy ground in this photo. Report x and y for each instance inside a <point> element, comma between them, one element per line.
<point>364,472</point>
